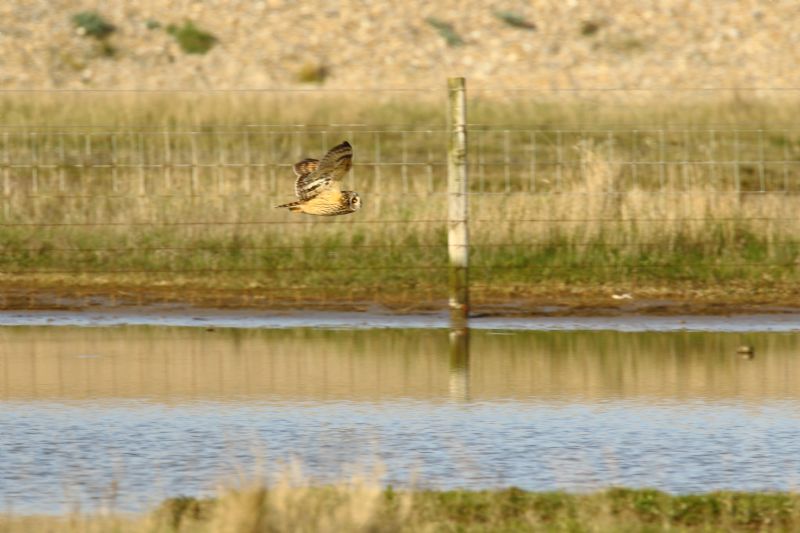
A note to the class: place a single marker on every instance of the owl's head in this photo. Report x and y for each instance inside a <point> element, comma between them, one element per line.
<point>353,201</point>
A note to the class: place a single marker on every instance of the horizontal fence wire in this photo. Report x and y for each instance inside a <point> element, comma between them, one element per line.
<point>177,249</point>
<point>356,269</point>
<point>574,201</point>
<point>170,163</point>
<point>441,221</point>
<point>473,87</point>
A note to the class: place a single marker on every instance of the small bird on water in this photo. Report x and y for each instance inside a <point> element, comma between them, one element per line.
<point>319,184</point>
<point>746,351</point>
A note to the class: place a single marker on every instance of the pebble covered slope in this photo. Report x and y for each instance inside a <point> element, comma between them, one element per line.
<point>365,44</point>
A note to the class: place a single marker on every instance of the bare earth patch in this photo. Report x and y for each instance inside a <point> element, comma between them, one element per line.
<point>544,300</point>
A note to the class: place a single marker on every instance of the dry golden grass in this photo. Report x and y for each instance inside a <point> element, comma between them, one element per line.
<point>179,188</point>
<point>362,505</point>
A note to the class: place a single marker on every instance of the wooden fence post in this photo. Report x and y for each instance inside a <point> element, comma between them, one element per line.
<point>457,232</point>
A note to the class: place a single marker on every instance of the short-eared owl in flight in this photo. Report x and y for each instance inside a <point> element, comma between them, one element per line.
<point>319,184</point>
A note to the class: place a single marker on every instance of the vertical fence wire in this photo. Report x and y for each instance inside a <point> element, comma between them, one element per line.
<point>6,176</point>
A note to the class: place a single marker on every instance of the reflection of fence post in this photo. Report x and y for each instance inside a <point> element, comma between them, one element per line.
<point>458,384</point>
<point>457,235</point>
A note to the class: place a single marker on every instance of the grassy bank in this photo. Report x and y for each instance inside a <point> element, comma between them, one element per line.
<point>626,192</point>
<point>362,507</point>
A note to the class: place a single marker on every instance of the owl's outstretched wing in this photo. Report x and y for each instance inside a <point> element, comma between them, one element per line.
<point>326,174</point>
<point>302,169</point>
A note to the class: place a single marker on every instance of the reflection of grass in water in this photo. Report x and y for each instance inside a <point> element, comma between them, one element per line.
<point>697,222</point>
<point>309,363</point>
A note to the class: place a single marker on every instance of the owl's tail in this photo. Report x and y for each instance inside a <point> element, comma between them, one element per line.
<point>293,206</point>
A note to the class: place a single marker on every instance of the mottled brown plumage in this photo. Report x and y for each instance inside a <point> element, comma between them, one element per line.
<point>318,184</point>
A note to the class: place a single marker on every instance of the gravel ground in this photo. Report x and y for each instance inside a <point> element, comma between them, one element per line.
<point>363,44</point>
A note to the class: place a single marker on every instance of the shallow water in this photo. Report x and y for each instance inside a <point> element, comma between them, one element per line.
<point>123,416</point>
<point>179,317</point>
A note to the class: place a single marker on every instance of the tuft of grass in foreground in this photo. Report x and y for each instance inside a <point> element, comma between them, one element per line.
<point>178,189</point>
<point>360,506</point>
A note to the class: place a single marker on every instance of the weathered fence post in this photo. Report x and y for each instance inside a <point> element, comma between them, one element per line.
<point>457,234</point>
<point>458,238</point>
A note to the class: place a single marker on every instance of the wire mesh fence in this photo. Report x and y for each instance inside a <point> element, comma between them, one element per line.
<point>137,214</point>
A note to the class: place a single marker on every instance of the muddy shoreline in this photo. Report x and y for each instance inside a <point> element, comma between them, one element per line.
<point>538,302</point>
